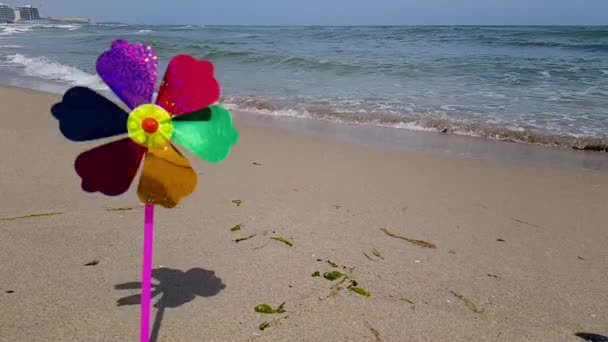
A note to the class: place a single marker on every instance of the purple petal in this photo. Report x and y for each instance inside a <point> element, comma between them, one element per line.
<point>130,70</point>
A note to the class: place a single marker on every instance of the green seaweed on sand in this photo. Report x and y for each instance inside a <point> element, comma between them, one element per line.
<point>468,303</point>
<point>335,265</point>
<point>374,331</point>
<point>267,309</point>
<point>354,286</point>
<point>272,322</point>
<point>316,274</point>
<point>378,254</point>
<point>420,243</point>
<point>526,223</point>
<point>332,264</point>
<point>335,288</point>
<point>236,228</point>
<point>331,294</point>
<point>259,247</point>
<point>333,275</point>
<point>245,238</point>
<point>359,290</point>
<point>35,215</point>
<point>237,202</point>
<point>283,240</point>
<point>120,209</point>
<point>407,300</point>
<point>367,256</point>
<point>337,285</point>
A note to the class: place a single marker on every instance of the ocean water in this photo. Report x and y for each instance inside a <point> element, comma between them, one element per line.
<point>544,85</point>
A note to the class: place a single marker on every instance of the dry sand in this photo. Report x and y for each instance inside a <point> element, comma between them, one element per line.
<point>521,251</point>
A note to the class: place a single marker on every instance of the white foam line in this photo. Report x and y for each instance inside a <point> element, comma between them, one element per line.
<point>48,69</point>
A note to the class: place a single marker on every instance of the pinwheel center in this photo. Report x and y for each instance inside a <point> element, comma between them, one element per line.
<point>150,126</point>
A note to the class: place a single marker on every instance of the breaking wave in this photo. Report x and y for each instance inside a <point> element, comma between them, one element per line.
<point>48,69</point>
<point>11,30</point>
<point>422,122</point>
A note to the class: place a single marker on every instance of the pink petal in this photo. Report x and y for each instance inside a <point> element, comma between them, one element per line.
<point>188,86</point>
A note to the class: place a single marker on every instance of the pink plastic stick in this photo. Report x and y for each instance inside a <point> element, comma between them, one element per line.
<point>146,281</point>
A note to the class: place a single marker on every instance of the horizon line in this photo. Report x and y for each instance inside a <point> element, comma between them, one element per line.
<point>357,25</point>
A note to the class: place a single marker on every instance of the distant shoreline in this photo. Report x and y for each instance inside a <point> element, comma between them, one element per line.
<point>82,21</point>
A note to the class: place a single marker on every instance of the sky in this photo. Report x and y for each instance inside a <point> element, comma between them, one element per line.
<point>331,12</point>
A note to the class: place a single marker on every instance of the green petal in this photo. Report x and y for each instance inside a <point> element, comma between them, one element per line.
<point>208,133</point>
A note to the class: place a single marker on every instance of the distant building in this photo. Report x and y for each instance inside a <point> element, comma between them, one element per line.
<point>26,13</point>
<point>7,13</point>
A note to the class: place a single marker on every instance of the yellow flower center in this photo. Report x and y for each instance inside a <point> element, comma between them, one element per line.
<point>150,126</point>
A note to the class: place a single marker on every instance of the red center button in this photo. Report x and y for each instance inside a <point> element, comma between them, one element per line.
<point>149,125</point>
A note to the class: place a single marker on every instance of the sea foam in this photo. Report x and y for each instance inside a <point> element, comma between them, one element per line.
<point>10,30</point>
<point>46,68</point>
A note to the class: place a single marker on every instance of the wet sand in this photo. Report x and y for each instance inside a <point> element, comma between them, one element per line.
<point>519,250</point>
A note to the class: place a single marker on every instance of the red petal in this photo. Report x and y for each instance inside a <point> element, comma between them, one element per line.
<point>188,86</point>
<point>109,168</point>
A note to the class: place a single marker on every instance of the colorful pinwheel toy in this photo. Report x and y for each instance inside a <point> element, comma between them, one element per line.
<point>184,113</point>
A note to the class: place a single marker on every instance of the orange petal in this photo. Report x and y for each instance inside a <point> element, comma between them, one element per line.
<point>167,177</point>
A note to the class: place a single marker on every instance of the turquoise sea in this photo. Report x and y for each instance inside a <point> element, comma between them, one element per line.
<point>544,85</point>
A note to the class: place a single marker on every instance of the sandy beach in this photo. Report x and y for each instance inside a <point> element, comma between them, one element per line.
<point>448,248</point>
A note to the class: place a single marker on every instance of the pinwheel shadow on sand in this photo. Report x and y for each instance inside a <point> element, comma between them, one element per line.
<point>173,288</point>
<point>590,337</point>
